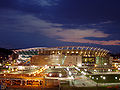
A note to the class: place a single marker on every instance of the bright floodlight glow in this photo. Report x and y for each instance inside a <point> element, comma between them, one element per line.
<point>116,77</point>
<point>12,69</point>
<point>70,73</point>
<point>67,68</point>
<point>57,58</point>
<point>83,73</point>
<point>8,71</point>
<point>76,51</point>
<point>118,68</point>
<point>21,67</point>
<point>45,65</point>
<point>6,66</point>
<point>60,75</point>
<point>72,52</point>
<point>95,65</point>
<point>77,68</point>
<point>72,77</point>
<point>96,78</point>
<point>67,51</point>
<point>104,77</point>
<point>18,61</point>
<point>105,63</point>
<point>33,66</point>
<point>79,65</point>
<point>50,74</point>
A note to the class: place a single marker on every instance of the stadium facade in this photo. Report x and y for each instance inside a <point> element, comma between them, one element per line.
<point>66,55</point>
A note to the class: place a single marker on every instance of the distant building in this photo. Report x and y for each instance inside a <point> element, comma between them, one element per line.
<point>66,55</point>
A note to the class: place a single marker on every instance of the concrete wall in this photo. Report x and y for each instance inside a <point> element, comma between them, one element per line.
<point>56,60</point>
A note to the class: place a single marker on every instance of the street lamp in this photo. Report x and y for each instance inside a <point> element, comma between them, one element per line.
<point>116,77</point>
<point>60,75</point>
<point>50,74</point>
<point>97,81</point>
<point>104,78</point>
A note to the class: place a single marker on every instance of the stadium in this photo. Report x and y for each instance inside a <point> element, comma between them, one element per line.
<point>65,56</point>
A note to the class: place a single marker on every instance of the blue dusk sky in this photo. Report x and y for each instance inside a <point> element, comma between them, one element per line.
<point>51,23</point>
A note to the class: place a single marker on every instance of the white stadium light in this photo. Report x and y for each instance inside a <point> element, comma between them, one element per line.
<point>60,75</point>
<point>50,74</point>
<point>104,78</point>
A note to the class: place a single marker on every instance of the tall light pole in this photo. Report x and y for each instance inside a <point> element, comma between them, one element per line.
<point>97,82</point>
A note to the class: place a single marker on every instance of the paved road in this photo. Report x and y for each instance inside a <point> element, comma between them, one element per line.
<point>82,81</point>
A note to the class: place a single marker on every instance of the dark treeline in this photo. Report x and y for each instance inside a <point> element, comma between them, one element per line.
<point>4,53</point>
<point>115,56</point>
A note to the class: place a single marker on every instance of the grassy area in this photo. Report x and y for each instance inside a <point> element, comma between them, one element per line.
<point>66,88</point>
<point>64,85</point>
<point>106,78</point>
<point>89,88</point>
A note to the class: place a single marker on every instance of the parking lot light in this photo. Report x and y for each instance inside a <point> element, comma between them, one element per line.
<point>50,74</point>
<point>116,77</point>
<point>96,78</point>
<point>60,75</point>
<point>109,70</point>
<point>104,78</point>
<point>70,73</point>
<point>92,77</point>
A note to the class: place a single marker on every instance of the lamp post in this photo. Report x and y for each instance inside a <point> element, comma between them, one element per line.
<point>104,78</point>
<point>97,82</point>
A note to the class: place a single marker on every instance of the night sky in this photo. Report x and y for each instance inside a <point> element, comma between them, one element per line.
<point>50,23</point>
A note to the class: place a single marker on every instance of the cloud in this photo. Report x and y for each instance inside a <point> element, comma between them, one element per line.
<point>42,3</point>
<point>20,22</point>
<point>78,35</point>
<point>100,24</point>
<point>111,42</point>
<point>48,2</point>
